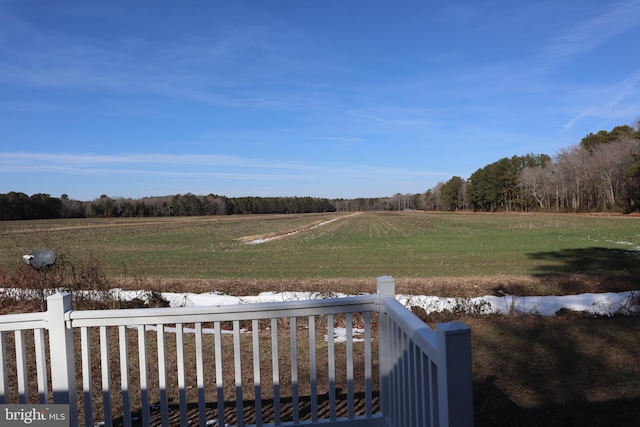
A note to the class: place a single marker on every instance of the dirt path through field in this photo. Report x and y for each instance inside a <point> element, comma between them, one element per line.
<point>267,237</point>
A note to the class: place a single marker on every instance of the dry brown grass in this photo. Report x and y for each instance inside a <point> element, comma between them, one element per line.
<point>464,287</point>
<point>556,371</point>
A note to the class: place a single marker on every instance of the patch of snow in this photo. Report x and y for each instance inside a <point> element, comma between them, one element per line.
<point>340,335</point>
<point>595,303</point>
<point>599,304</point>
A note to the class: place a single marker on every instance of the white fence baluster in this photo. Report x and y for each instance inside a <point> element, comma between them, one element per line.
<point>313,375</point>
<point>332,367</point>
<point>257,389</point>
<point>237,362</point>
<point>349,343</point>
<point>397,373</point>
<point>86,376</point>
<point>419,399</point>
<point>182,383</point>
<point>368,377</point>
<point>217,330</point>
<point>162,375</point>
<point>202,400</point>
<point>275,364</point>
<point>144,375</point>
<point>435,405</point>
<point>406,378</point>
<point>425,375</point>
<point>41,366</point>
<point>389,404</point>
<point>124,375</point>
<point>414,404</point>
<point>106,375</point>
<point>21,368</point>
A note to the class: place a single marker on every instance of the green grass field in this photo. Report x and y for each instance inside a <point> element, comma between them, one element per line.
<point>366,245</point>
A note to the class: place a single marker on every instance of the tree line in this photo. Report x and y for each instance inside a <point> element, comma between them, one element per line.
<point>601,173</point>
<point>17,206</point>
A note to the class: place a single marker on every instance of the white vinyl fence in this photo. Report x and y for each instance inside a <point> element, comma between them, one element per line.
<point>355,361</point>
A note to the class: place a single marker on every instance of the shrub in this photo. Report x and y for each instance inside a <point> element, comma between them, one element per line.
<point>87,282</point>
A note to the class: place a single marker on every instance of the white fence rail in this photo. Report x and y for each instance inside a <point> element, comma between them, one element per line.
<point>263,364</point>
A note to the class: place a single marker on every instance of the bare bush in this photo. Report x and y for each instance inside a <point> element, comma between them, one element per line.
<point>87,282</point>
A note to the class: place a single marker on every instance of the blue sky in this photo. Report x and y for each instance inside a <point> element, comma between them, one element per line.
<point>301,98</point>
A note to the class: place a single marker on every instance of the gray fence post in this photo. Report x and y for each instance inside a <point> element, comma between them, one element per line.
<point>61,349</point>
<point>455,392</point>
<point>386,287</point>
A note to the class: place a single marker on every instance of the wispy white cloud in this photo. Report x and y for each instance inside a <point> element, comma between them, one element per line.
<point>588,35</point>
<point>187,165</point>
<point>342,141</point>
<point>83,160</point>
<point>254,66</point>
<point>391,115</point>
<point>613,102</point>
